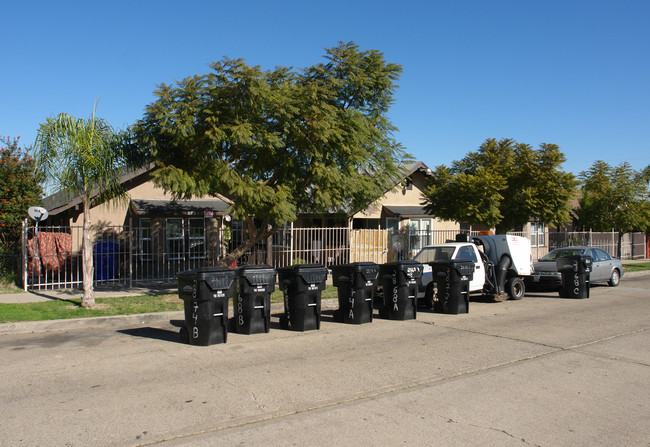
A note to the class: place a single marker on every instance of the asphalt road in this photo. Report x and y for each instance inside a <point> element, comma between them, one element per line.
<point>544,371</point>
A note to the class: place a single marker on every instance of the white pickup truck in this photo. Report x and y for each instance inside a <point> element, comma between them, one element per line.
<point>500,263</point>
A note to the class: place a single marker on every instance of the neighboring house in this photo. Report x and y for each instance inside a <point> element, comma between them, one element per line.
<point>400,211</point>
<point>154,235</point>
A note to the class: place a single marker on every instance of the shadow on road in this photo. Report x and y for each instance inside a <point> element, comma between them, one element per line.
<point>153,333</point>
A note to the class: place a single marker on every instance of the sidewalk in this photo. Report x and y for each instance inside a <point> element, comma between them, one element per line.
<point>37,296</point>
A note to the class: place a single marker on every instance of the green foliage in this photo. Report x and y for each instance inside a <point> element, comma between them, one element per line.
<point>82,158</point>
<point>615,198</point>
<point>19,189</point>
<point>276,142</point>
<point>504,184</point>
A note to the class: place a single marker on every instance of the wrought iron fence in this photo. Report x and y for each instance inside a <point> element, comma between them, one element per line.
<point>127,255</point>
<point>632,245</point>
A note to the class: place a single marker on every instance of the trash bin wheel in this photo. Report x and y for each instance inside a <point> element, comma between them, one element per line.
<point>516,288</point>
<point>185,336</point>
<point>284,321</point>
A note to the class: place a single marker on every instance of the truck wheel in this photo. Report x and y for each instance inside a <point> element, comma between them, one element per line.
<point>516,288</point>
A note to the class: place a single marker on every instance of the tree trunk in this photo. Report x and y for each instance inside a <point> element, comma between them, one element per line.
<point>247,245</point>
<point>621,235</point>
<point>88,298</point>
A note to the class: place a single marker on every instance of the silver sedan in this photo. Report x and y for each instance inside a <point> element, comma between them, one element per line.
<point>604,268</point>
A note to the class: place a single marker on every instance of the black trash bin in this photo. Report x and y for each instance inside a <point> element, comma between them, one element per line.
<point>205,293</point>
<point>452,279</point>
<point>252,303</point>
<point>400,281</point>
<point>575,271</point>
<point>356,284</point>
<point>302,285</point>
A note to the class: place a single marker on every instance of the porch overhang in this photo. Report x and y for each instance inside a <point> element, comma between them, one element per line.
<point>405,211</point>
<point>195,207</point>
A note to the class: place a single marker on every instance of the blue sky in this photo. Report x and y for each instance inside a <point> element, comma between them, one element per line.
<point>573,73</point>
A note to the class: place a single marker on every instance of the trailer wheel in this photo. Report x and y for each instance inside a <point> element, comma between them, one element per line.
<point>516,288</point>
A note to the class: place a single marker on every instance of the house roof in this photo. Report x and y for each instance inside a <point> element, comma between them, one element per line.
<point>64,200</point>
<point>417,166</point>
<point>190,207</point>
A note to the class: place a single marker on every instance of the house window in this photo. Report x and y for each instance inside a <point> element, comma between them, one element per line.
<point>175,239</point>
<point>537,236</point>
<point>392,225</point>
<point>197,238</point>
<point>420,233</point>
<point>144,239</point>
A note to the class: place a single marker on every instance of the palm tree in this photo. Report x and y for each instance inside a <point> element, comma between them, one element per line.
<point>81,157</point>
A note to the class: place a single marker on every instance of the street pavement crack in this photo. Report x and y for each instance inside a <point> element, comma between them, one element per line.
<point>499,430</point>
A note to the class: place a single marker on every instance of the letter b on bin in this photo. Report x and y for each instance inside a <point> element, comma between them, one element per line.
<point>205,293</point>
<point>575,271</point>
<point>356,284</point>
<point>252,304</point>
<point>302,285</point>
<point>400,281</point>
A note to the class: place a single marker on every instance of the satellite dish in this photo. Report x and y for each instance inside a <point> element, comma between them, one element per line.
<point>37,213</point>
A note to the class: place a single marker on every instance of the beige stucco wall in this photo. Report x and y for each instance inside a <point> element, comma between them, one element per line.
<point>402,196</point>
<point>114,212</point>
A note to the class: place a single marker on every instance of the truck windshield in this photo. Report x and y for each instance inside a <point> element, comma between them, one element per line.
<point>430,254</point>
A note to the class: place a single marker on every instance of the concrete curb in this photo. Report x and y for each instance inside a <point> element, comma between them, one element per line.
<point>635,274</point>
<point>120,321</point>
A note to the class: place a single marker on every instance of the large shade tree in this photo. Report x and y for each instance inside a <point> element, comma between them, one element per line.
<point>615,198</point>
<point>276,142</point>
<point>83,158</point>
<point>503,185</point>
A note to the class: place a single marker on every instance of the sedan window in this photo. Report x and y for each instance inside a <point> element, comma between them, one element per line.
<point>561,253</point>
<point>602,255</point>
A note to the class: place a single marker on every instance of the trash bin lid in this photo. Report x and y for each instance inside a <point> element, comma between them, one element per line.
<point>257,275</point>
<point>310,273</point>
<point>412,269</point>
<point>216,277</point>
<point>369,271</point>
<point>463,266</point>
<point>566,262</point>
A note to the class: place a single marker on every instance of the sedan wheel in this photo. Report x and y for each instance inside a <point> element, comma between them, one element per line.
<point>615,279</point>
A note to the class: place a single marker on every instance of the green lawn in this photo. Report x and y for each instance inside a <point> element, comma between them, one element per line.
<point>64,309</point>
<point>636,267</point>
